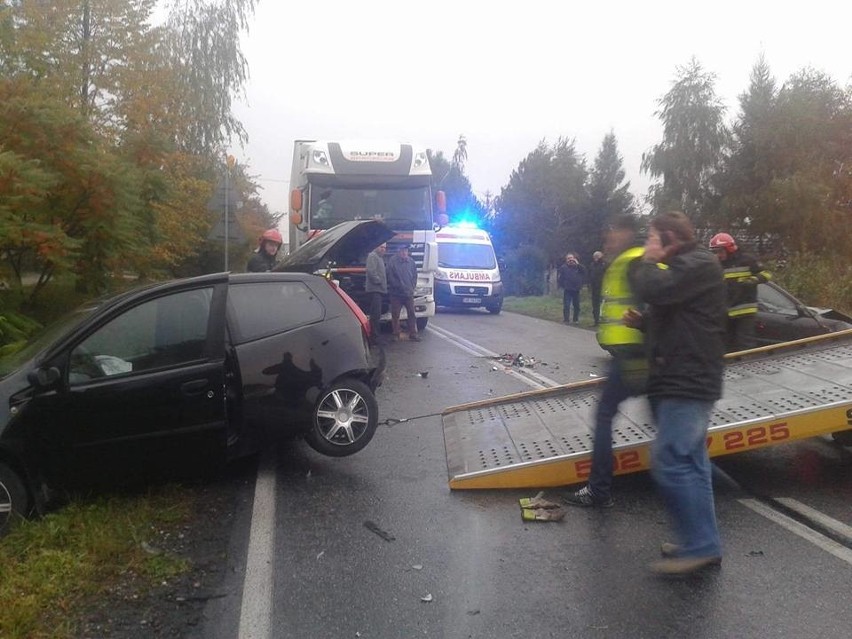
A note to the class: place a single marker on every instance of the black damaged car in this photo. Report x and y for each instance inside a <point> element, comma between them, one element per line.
<point>185,373</point>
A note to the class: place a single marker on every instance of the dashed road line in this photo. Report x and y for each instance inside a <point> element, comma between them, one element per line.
<point>797,528</point>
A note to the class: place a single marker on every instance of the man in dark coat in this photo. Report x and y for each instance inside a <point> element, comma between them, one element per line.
<point>596,271</point>
<point>376,287</point>
<point>570,277</point>
<point>683,286</point>
<point>402,280</point>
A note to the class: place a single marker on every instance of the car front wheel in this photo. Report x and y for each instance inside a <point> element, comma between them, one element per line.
<point>345,419</point>
<point>14,502</point>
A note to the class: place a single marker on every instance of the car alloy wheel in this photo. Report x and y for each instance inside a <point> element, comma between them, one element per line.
<point>13,497</point>
<point>345,419</point>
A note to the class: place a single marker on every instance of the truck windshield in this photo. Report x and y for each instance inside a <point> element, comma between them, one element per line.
<point>401,209</point>
<point>479,256</point>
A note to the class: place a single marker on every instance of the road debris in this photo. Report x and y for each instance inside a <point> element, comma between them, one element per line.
<point>542,514</point>
<point>426,598</point>
<point>373,527</point>
<point>537,502</point>
<point>518,360</point>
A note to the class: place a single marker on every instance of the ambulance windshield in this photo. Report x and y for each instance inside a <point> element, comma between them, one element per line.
<point>474,256</point>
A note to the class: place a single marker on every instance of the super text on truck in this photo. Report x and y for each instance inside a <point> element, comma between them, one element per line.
<point>468,275</point>
<point>335,182</point>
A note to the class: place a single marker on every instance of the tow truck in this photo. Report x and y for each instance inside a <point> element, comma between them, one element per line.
<point>543,438</point>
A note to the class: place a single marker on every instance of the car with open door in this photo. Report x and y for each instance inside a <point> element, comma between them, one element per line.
<point>184,375</point>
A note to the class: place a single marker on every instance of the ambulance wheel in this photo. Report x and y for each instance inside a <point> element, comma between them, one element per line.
<point>843,437</point>
<point>495,310</point>
<point>421,323</point>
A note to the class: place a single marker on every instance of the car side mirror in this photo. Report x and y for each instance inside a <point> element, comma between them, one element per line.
<point>44,377</point>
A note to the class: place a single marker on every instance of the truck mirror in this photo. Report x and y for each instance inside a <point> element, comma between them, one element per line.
<point>296,200</point>
<point>295,218</point>
<point>441,201</point>
<point>443,219</point>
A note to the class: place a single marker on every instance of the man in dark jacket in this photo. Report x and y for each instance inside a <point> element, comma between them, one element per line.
<point>685,330</point>
<point>570,277</point>
<point>596,271</point>
<point>376,287</point>
<point>742,275</point>
<point>402,280</point>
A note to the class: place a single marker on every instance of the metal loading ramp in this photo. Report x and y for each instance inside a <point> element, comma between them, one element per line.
<point>543,438</point>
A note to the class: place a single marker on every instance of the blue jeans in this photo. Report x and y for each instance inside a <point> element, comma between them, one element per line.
<point>681,467</point>
<point>614,392</point>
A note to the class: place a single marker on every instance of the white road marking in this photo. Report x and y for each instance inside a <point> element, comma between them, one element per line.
<point>797,528</point>
<point>256,609</point>
<point>829,523</point>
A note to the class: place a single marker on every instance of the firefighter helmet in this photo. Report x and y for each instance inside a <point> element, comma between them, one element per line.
<point>271,235</point>
<point>723,241</point>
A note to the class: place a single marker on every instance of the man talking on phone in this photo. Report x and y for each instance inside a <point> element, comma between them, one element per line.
<point>683,285</point>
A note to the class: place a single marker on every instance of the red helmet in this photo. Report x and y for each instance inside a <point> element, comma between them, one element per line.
<point>271,235</point>
<point>723,241</point>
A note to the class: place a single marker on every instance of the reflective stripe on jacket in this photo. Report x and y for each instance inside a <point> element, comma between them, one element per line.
<point>742,275</point>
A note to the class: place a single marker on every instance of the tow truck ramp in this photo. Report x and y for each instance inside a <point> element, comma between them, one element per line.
<point>543,438</point>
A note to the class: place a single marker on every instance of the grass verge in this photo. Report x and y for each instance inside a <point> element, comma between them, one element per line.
<point>549,307</point>
<point>50,568</point>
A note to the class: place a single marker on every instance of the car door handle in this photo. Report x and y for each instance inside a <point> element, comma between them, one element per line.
<point>195,387</point>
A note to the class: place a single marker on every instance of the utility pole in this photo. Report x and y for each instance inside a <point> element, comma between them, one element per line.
<point>230,164</point>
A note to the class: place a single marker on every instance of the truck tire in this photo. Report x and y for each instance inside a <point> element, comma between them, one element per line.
<point>495,309</point>
<point>345,419</point>
<point>421,323</point>
<point>14,501</point>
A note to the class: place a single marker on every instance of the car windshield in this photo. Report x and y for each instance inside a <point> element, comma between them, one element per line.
<point>401,209</point>
<point>466,256</point>
<point>43,339</point>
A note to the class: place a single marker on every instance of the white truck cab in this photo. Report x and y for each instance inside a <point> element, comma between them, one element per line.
<point>468,275</point>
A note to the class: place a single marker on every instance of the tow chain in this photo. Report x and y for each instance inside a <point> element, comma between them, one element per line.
<point>393,421</point>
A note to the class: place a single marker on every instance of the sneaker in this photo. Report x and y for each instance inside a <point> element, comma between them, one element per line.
<point>668,549</point>
<point>413,337</point>
<point>675,566</point>
<point>586,498</point>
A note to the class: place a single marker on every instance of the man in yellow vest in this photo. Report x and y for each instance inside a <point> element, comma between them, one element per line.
<point>628,368</point>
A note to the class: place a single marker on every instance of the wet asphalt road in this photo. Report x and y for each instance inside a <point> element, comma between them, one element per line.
<point>376,545</point>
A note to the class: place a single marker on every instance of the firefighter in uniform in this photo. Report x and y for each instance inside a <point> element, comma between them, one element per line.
<point>264,258</point>
<point>628,369</point>
<point>743,273</point>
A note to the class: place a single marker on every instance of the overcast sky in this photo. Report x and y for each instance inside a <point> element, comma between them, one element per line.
<point>506,74</point>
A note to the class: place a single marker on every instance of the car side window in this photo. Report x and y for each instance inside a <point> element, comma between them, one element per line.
<point>773,301</point>
<point>260,309</point>
<point>163,332</point>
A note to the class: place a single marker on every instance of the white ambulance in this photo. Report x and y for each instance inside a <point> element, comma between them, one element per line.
<point>467,275</point>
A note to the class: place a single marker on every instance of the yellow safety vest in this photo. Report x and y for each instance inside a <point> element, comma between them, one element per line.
<point>617,299</point>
